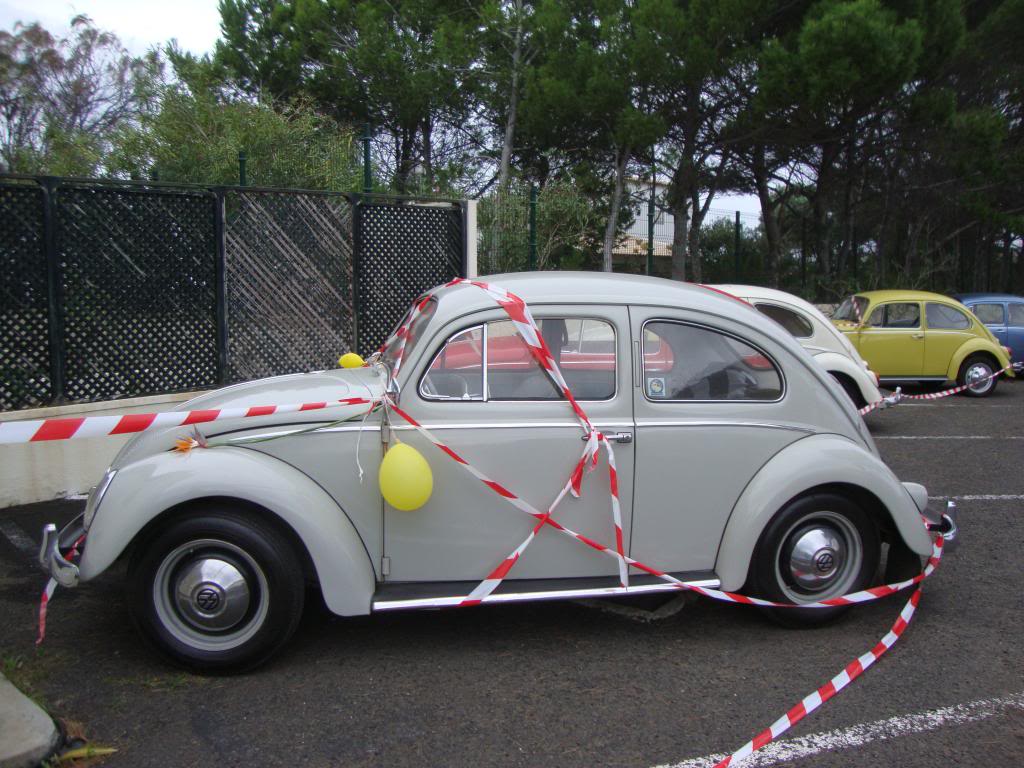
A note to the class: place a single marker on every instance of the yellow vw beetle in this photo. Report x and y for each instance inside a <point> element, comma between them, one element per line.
<point>922,336</point>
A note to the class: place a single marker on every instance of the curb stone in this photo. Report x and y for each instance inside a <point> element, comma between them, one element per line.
<point>27,734</point>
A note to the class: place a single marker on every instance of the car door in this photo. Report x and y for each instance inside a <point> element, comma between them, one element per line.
<point>1015,329</point>
<point>480,391</point>
<point>892,340</point>
<point>707,406</point>
<point>993,315</point>
<point>946,329</point>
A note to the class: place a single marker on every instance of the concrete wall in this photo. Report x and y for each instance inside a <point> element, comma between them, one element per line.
<point>41,471</point>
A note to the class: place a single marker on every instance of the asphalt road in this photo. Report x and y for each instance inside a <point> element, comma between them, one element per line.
<point>563,684</point>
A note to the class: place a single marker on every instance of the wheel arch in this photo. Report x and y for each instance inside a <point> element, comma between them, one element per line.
<point>145,495</point>
<point>813,465</point>
<point>975,347</point>
<point>840,366</point>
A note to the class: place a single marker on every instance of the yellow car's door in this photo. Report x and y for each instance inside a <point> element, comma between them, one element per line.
<point>946,329</point>
<point>892,340</point>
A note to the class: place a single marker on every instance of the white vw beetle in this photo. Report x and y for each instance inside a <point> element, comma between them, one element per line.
<point>816,333</point>
<point>739,467</point>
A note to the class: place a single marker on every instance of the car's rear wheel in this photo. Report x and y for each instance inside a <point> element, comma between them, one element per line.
<point>816,548</point>
<point>217,590</point>
<point>850,388</point>
<point>976,374</point>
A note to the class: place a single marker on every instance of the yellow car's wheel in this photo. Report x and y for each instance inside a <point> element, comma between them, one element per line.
<point>976,374</point>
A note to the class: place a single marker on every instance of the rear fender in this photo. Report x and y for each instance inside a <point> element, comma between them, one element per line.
<point>815,461</point>
<point>144,490</point>
<point>974,346</point>
<point>831,361</point>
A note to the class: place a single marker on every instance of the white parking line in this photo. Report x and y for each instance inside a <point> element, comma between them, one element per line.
<point>982,497</point>
<point>859,735</point>
<point>17,537</point>
<point>948,437</point>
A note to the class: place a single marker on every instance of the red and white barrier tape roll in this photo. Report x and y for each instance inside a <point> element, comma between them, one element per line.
<point>40,430</point>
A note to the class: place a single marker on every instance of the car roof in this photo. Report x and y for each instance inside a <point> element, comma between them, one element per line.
<point>597,288</point>
<point>907,295</point>
<point>769,294</point>
<point>981,296</point>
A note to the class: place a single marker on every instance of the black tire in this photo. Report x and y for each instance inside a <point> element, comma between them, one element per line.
<point>832,532</point>
<point>216,590</point>
<point>977,366</point>
<point>851,389</point>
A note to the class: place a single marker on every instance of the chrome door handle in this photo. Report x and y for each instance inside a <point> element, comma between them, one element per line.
<point>618,437</point>
<point>918,336</point>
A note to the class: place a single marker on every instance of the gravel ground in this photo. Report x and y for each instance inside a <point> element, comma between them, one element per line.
<point>564,684</point>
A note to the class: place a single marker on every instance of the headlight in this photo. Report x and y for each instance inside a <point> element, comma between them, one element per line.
<point>96,496</point>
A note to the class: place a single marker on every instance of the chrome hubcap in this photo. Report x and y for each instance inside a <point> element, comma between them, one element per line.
<point>819,557</point>
<point>210,595</point>
<point>818,554</point>
<point>977,379</point>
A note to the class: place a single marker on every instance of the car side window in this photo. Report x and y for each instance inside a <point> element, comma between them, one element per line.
<point>1017,314</point>
<point>797,325</point>
<point>457,370</point>
<point>944,317</point>
<point>990,314</point>
<point>690,362</point>
<point>896,315</point>
<point>584,349</point>
<point>491,362</point>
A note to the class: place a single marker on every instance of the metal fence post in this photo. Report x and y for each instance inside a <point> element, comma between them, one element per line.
<point>736,250</point>
<point>241,168</point>
<point>54,294</point>
<point>533,226</point>
<point>803,254</point>
<point>650,223</point>
<point>220,285</point>
<point>367,170</point>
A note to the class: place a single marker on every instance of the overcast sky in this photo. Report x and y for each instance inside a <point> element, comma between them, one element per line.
<point>140,24</point>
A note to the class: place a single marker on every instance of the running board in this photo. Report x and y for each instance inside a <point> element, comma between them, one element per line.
<point>555,594</point>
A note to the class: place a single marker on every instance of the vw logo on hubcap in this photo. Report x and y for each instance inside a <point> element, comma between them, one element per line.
<point>208,599</point>
<point>825,562</point>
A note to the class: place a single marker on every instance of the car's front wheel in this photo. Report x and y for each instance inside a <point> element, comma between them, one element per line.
<point>976,374</point>
<point>216,590</point>
<point>817,547</point>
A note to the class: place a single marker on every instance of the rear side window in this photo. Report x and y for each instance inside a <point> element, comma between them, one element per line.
<point>896,315</point>
<point>1017,314</point>
<point>942,316</point>
<point>990,314</point>
<point>689,362</point>
<point>797,325</point>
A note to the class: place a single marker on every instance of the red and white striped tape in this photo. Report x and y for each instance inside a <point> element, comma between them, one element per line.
<point>40,430</point>
<point>899,394</point>
<point>51,587</point>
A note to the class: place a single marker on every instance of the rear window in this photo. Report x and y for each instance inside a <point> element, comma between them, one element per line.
<point>990,314</point>
<point>689,362</point>
<point>1017,314</point>
<point>943,316</point>
<point>797,325</point>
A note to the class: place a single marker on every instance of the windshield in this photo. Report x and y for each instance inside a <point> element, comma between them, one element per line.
<point>852,309</point>
<point>392,351</point>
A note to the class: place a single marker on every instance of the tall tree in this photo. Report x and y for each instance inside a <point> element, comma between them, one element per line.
<point>62,100</point>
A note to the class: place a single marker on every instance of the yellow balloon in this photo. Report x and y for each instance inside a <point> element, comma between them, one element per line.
<point>405,478</point>
<point>351,360</point>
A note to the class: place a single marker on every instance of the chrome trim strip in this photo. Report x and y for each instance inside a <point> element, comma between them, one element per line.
<point>437,427</point>
<point>522,597</point>
<point>759,424</point>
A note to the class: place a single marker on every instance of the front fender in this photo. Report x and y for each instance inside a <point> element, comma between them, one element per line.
<point>832,361</point>
<point>969,348</point>
<point>143,490</point>
<point>809,463</point>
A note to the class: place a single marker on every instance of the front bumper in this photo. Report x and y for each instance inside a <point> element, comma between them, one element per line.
<point>52,551</point>
<point>944,523</point>
<point>1018,368</point>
